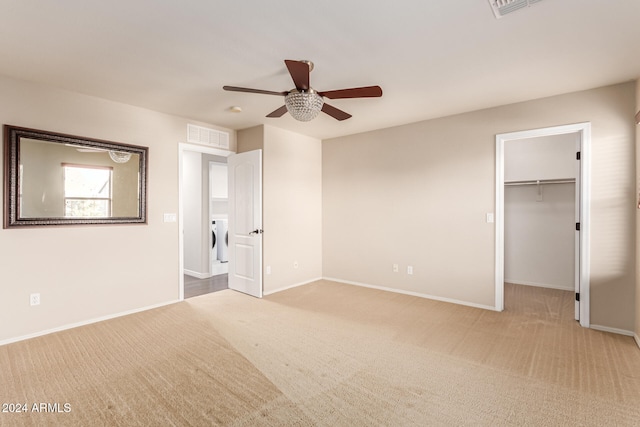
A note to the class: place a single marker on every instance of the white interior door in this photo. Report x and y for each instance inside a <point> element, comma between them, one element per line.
<point>245,222</point>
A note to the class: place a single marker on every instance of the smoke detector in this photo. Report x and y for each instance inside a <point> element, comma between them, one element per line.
<point>503,7</point>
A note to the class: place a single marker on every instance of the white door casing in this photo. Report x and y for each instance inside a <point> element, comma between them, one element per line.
<point>245,222</point>
<point>583,130</point>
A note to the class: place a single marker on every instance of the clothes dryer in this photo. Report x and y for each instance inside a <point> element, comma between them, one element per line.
<point>223,240</point>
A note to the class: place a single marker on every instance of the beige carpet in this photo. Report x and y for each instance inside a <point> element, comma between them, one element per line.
<point>329,354</point>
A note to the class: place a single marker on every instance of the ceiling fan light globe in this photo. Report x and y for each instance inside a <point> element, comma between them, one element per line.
<point>304,105</point>
<point>119,156</point>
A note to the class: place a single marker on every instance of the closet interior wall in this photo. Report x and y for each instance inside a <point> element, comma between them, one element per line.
<point>539,211</point>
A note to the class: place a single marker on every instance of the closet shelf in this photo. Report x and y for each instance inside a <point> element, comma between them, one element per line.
<point>541,181</point>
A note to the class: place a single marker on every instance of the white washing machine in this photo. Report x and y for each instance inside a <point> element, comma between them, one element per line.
<point>214,240</point>
<point>223,239</point>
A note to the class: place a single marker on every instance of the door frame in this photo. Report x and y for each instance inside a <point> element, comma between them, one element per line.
<point>182,147</point>
<point>584,132</point>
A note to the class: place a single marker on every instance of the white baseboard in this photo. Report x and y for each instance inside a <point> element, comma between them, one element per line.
<point>218,268</point>
<point>196,274</point>
<point>83,323</point>
<point>291,286</point>
<point>540,285</point>
<point>612,330</point>
<point>415,294</point>
<point>637,338</point>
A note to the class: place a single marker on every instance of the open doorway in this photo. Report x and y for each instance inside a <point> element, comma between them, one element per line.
<point>216,197</point>
<point>203,215</point>
<point>524,177</point>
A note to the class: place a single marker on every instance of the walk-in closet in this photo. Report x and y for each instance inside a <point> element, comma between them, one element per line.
<point>541,200</point>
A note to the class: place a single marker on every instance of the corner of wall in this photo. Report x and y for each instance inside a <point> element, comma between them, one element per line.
<point>250,139</point>
<point>292,209</point>
<point>637,306</point>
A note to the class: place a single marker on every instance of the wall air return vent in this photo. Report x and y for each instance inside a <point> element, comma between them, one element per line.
<point>206,136</point>
<point>504,7</point>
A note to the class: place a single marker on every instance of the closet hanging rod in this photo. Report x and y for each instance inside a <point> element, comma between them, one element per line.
<point>542,181</point>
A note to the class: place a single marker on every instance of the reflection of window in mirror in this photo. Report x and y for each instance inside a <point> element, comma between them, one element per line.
<point>87,191</point>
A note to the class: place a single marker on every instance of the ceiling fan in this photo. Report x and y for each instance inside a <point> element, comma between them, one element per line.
<point>303,102</point>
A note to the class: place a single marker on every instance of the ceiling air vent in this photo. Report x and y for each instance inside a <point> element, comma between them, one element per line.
<point>206,136</point>
<point>504,7</point>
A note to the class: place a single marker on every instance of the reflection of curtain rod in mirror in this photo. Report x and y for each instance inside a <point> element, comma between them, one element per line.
<point>86,149</point>
<point>541,181</point>
<point>89,150</point>
<point>116,156</point>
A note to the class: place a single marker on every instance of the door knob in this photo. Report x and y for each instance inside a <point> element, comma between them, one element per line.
<point>256,231</point>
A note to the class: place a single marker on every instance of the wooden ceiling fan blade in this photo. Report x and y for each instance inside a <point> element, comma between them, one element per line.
<point>355,92</point>
<point>299,73</point>
<point>279,112</point>
<point>335,113</point>
<point>248,90</point>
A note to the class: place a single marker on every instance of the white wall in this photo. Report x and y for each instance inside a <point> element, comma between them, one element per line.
<point>539,246</point>
<point>218,178</point>
<point>539,222</point>
<point>547,157</point>
<point>292,204</point>
<point>218,187</point>
<point>419,194</point>
<point>637,204</point>
<point>194,234</point>
<point>85,273</point>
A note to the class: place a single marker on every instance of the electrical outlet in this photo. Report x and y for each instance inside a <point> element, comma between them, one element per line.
<point>34,299</point>
<point>268,269</point>
<point>295,264</point>
<point>410,269</point>
<point>395,268</point>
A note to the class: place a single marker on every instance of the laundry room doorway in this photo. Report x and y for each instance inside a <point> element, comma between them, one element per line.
<point>218,202</point>
<point>203,220</point>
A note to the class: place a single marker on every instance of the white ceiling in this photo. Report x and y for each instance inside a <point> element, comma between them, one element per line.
<point>431,58</point>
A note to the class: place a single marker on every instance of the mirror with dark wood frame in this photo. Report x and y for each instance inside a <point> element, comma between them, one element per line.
<point>53,179</point>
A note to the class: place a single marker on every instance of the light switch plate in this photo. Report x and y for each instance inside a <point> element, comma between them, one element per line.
<point>170,217</point>
<point>34,299</point>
